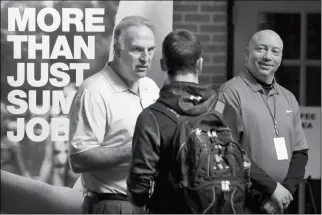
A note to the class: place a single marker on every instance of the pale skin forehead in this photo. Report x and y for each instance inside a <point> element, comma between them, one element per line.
<point>139,32</point>
<point>266,37</point>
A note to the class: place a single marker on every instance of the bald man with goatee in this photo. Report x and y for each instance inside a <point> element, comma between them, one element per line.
<point>269,125</point>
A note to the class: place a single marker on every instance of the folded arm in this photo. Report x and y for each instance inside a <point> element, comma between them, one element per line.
<point>100,158</point>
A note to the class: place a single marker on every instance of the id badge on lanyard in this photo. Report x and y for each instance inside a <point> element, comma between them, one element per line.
<point>279,142</point>
<point>280,148</point>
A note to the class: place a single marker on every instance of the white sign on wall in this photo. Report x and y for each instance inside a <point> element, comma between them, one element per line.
<point>311,123</point>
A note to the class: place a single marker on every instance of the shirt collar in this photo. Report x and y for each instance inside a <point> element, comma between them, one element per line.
<point>115,80</point>
<point>252,83</point>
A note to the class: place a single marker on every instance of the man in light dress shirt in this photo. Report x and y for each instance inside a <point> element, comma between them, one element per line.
<point>103,116</point>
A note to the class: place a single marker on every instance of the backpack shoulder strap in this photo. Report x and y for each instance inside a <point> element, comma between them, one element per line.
<point>164,109</point>
<point>174,117</point>
<point>220,108</point>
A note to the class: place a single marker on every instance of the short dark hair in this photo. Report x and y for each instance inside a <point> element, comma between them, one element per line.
<point>181,50</point>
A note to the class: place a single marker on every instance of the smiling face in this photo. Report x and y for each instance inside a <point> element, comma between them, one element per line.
<point>264,55</point>
<point>137,53</point>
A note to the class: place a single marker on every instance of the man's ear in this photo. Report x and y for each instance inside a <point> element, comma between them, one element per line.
<point>117,50</point>
<point>246,53</point>
<point>199,65</point>
<point>163,65</point>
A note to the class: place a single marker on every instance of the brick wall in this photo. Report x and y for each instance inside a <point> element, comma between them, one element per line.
<point>208,20</point>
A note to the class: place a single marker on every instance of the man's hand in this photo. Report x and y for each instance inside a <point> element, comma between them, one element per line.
<point>281,197</point>
<point>269,207</point>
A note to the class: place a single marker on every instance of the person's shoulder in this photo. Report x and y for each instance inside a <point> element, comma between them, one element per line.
<point>93,80</point>
<point>231,85</point>
<point>288,95</point>
<point>145,115</point>
<point>149,83</point>
<point>93,83</point>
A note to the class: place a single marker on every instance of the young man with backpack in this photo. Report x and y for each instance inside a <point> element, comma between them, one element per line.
<point>185,159</point>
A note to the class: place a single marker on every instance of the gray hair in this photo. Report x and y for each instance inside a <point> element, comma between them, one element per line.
<point>128,22</point>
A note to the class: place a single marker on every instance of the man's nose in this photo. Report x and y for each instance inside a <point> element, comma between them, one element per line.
<point>267,55</point>
<point>144,57</point>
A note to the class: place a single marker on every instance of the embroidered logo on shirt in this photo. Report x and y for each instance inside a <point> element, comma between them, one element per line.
<point>289,111</point>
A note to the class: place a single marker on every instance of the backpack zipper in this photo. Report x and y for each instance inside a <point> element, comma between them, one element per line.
<point>209,169</point>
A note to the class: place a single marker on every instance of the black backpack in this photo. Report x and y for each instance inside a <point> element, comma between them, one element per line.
<point>210,171</point>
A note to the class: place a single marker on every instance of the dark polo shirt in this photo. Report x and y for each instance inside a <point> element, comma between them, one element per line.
<point>247,97</point>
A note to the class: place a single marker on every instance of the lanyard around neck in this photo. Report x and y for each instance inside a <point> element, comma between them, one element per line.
<point>273,115</point>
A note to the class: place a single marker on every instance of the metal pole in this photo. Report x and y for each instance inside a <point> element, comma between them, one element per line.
<point>301,204</point>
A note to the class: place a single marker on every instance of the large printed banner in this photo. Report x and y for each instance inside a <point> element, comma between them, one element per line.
<point>47,49</point>
<point>311,123</point>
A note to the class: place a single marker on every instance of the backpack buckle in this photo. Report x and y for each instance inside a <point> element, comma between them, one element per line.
<point>225,186</point>
<point>176,186</point>
<point>212,133</point>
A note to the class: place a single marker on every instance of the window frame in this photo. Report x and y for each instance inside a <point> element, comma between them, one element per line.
<point>302,62</point>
